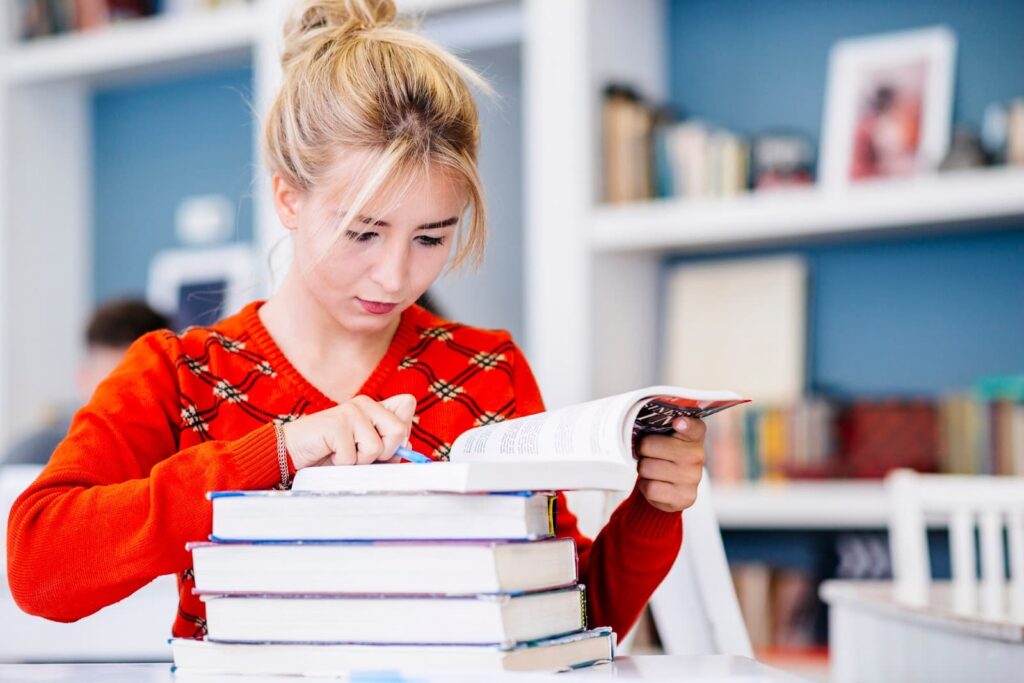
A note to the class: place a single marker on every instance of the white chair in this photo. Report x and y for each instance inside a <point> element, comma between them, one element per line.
<point>965,503</point>
<point>695,609</point>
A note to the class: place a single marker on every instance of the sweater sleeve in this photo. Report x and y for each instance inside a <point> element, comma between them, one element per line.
<point>632,554</point>
<point>117,502</point>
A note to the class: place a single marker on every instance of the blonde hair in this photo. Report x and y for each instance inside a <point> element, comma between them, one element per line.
<point>356,80</point>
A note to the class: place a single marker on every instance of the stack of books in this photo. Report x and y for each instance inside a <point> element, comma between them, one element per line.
<point>444,566</point>
<point>322,583</point>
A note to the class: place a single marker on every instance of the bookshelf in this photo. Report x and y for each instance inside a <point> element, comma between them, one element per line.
<point>594,281</point>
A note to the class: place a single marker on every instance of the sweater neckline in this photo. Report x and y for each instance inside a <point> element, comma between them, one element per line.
<point>403,339</point>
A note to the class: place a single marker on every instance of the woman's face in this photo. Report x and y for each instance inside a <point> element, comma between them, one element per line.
<point>387,258</point>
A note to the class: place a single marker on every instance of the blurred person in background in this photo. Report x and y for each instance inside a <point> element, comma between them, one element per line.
<point>110,331</point>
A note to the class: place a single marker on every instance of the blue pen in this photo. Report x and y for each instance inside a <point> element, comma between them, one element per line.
<point>411,456</point>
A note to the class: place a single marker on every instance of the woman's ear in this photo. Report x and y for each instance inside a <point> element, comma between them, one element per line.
<point>287,201</point>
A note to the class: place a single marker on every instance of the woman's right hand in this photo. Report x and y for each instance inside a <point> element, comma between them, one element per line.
<point>356,432</point>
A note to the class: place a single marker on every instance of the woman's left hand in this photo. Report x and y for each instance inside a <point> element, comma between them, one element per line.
<point>671,465</point>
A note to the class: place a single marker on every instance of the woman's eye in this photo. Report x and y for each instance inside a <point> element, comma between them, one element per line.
<point>430,241</point>
<point>360,236</point>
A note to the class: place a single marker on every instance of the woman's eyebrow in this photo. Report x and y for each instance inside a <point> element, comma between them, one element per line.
<point>426,226</point>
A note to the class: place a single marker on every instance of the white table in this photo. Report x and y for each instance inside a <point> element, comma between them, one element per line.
<point>688,669</point>
<point>874,639</point>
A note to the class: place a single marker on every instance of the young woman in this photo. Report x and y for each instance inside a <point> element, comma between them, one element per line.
<point>372,143</point>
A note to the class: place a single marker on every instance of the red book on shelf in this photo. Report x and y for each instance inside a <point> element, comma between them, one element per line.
<point>878,436</point>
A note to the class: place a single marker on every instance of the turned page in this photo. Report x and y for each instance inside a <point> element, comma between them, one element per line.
<point>596,431</point>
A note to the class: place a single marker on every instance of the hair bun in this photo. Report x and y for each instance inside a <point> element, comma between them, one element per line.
<point>313,21</point>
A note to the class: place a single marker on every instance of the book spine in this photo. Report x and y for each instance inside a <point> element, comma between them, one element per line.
<point>552,512</point>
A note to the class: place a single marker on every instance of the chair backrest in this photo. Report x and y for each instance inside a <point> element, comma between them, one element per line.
<point>695,608</point>
<point>987,504</point>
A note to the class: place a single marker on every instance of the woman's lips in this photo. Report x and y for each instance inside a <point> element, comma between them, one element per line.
<point>376,307</point>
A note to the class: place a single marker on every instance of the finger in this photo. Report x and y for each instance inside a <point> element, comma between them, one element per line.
<point>663,447</point>
<point>690,429</point>
<point>658,470</point>
<point>665,496</point>
<point>369,445</point>
<point>392,428</point>
<point>402,405</point>
<point>659,493</point>
<point>341,444</point>
<point>386,423</point>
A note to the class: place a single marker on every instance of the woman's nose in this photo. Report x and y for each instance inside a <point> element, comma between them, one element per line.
<point>391,269</point>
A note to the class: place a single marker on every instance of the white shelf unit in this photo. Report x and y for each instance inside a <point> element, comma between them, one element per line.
<point>593,281</point>
<point>144,48</point>
<point>960,198</point>
<point>831,505</point>
<point>46,89</point>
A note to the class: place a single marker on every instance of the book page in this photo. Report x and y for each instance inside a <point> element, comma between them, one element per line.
<point>586,431</point>
<point>601,430</point>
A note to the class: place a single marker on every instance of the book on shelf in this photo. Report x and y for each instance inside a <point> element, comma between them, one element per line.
<point>778,604</point>
<point>328,659</point>
<point>503,619</point>
<point>741,322</point>
<point>38,18</point>
<point>347,516</point>
<point>980,431</point>
<point>585,446</point>
<point>648,152</point>
<point>704,161</point>
<point>628,160</point>
<point>441,567</point>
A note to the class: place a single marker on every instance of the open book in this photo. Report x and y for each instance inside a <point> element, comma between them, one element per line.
<point>586,446</point>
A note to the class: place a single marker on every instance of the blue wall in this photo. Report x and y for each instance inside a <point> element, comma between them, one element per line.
<point>905,316</point>
<point>200,130</point>
<point>751,65</point>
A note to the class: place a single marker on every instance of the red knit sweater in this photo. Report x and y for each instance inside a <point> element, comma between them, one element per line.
<point>191,413</point>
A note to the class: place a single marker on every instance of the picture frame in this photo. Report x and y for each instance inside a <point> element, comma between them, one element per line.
<point>888,108</point>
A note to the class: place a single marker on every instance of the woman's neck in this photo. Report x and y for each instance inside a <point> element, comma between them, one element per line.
<point>313,341</point>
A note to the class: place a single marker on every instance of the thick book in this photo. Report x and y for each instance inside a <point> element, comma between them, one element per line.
<point>470,620</point>
<point>306,515</point>
<point>407,567</point>
<point>585,446</point>
<point>335,659</point>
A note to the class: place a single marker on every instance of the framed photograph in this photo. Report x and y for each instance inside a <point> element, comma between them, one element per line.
<point>888,108</point>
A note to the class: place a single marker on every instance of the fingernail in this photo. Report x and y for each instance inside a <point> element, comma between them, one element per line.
<point>682,424</point>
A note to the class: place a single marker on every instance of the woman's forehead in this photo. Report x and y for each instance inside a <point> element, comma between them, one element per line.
<point>343,185</point>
